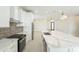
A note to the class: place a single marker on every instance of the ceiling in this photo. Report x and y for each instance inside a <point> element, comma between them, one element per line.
<point>53,10</point>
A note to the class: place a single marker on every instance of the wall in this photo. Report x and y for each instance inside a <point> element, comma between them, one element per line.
<point>68,25</point>
<point>77,26</point>
<point>40,25</point>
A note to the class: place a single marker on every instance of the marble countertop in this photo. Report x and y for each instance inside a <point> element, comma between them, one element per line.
<point>22,33</point>
<point>60,39</point>
<point>5,42</point>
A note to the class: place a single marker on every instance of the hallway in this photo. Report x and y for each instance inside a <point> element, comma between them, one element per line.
<point>35,45</point>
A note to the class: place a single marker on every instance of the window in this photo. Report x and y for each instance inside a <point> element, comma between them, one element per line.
<point>53,26</point>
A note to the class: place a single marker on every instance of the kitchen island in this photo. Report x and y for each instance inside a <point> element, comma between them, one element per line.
<point>57,41</point>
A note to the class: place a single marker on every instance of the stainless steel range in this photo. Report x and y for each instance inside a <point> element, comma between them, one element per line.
<point>21,41</point>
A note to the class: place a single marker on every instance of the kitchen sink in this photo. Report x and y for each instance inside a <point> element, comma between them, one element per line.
<point>47,33</point>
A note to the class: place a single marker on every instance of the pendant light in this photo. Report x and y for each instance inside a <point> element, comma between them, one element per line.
<point>63,16</point>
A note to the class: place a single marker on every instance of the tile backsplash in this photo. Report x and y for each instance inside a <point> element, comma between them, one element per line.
<point>7,31</point>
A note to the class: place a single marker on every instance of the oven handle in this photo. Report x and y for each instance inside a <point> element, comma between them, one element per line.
<point>22,40</point>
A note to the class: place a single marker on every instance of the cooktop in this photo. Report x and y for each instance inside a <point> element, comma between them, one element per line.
<point>17,36</point>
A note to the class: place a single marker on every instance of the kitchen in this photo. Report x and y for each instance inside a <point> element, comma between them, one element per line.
<point>39,29</point>
<point>12,30</point>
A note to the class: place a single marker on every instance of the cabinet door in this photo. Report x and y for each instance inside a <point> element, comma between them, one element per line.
<point>15,12</point>
<point>26,18</point>
<point>12,47</point>
<point>4,16</point>
<point>53,49</point>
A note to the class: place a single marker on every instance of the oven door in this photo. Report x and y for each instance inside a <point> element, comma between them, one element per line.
<point>21,44</point>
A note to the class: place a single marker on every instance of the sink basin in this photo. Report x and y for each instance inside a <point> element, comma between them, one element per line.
<point>47,33</point>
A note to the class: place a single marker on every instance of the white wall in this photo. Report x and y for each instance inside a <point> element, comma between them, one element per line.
<point>77,26</point>
<point>67,25</point>
<point>4,16</point>
<point>41,25</point>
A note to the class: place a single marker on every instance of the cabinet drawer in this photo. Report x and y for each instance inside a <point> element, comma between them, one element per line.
<point>58,49</point>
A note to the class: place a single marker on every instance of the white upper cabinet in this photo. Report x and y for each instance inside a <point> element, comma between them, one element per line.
<point>15,12</point>
<point>4,16</point>
<point>26,17</point>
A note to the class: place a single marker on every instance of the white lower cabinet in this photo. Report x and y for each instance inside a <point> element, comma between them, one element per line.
<point>75,49</point>
<point>63,46</point>
<point>12,47</point>
<point>8,45</point>
<point>56,49</point>
<point>59,50</point>
<point>53,49</point>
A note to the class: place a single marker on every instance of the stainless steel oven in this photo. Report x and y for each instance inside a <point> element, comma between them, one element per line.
<point>21,41</point>
<point>21,44</point>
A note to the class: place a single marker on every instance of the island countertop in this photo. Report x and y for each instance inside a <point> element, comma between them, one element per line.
<point>61,40</point>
